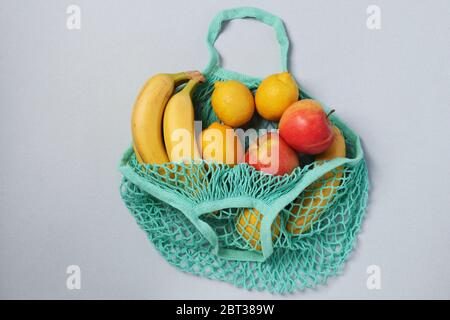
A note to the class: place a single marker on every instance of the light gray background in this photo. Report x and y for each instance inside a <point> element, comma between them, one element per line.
<point>66,98</point>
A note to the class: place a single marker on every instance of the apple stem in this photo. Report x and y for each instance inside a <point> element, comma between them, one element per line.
<point>329,113</point>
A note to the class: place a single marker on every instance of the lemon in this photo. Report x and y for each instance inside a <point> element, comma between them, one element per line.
<point>232,102</point>
<point>275,94</point>
<point>221,144</point>
<point>249,226</point>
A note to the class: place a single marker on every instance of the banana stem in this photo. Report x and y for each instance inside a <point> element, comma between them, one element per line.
<point>190,86</point>
<point>180,77</point>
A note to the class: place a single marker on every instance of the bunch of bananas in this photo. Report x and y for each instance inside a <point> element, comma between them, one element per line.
<point>157,112</point>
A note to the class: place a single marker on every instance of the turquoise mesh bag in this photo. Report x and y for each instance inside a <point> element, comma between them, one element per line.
<point>229,223</point>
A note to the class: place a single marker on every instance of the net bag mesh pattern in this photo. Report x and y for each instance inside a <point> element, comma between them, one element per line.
<point>240,225</point>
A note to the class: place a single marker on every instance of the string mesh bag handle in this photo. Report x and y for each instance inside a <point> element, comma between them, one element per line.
<point>241,13</point>
<point>239,225</point>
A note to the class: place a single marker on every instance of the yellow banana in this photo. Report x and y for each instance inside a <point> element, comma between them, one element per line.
<point>178,125</point>
<point>147,116</point>
<point>138,157</point>
<point>316,196</point>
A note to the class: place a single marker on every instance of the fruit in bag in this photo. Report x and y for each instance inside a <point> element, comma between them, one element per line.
<point>220,143</point>
<point>306,127</point>
<point>270,154</point>
<point>249,226</point>
<point>275,94</point>
<point>313,200</point>
<point>232,102</point>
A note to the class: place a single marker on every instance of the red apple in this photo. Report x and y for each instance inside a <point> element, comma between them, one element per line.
<point>271,154</point>
<point>306,127</point>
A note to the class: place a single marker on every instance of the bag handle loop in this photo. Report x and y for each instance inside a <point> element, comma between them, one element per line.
<point>275,22</point>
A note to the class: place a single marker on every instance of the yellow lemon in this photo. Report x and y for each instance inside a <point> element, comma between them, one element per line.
<point>249,226</point>
<point>232,102</point>
<point>275,94</point>
<point>220,143</point>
